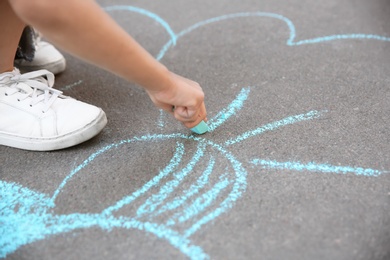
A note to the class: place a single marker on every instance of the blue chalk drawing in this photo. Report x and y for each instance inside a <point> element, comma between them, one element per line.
<point>27,216</point>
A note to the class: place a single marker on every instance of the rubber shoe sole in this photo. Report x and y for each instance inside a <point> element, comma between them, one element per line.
<point>55,67</point>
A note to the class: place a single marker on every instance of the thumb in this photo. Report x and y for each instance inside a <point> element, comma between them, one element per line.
<point>185,114</point>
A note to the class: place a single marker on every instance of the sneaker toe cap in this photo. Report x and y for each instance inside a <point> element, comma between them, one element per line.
<point>76,116</point>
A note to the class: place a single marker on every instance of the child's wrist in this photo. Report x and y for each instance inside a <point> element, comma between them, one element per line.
<point>162,82</point>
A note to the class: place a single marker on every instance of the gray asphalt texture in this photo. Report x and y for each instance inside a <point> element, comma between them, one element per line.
<point>280,213</point>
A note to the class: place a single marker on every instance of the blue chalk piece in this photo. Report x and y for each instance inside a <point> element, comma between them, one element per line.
<point>201,128</point>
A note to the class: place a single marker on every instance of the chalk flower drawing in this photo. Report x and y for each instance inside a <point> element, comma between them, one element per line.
<point>27,216</point>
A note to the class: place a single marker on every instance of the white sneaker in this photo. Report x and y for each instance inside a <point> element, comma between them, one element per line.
<point>46,57</point>
<point>34,116</point>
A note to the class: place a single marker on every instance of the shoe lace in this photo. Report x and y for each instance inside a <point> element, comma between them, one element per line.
<point>37,85</point>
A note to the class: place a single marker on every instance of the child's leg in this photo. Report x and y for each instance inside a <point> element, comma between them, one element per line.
<point>11,28</point>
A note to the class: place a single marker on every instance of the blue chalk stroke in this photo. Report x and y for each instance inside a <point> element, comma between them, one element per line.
<point>175,161</point>
<point>67,87</point>
<point>341,37</point>
<point>292,32</point>
<point>272,126</point>
<point>315,167</point>
<point>160,122</point>
<point>194,189</point>
<point>154,201</point>
<point>27,216</point>
<point>201,202</point>
<point>147,13</point>
<point>229,111</point>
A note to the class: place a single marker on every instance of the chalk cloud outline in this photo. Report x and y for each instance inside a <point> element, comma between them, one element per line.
<point>26,214</point>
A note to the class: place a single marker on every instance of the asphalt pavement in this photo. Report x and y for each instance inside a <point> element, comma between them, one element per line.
<point>296,164</point>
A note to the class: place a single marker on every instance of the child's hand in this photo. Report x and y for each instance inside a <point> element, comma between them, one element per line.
<point>183,98</point>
